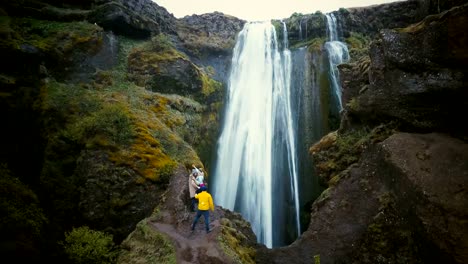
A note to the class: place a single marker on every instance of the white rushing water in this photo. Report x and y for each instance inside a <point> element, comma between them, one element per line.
<point>337,54</point>
<point>258,111</point>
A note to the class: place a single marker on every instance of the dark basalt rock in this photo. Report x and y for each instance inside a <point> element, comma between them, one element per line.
<point>418,75</point>
<point>176,76</point>
<point>113,16</point>
<point>134,18</point>
<point>399,205</point>
<point>110,197</point>
<point>209,40</point>
<point>137,18</point>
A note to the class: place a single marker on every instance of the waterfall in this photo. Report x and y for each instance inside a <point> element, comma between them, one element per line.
<point>300,29</point>
<point>256,167</point>
<point>337,53</point>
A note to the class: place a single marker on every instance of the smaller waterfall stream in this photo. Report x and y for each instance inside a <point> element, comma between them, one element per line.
<point>337,54</point>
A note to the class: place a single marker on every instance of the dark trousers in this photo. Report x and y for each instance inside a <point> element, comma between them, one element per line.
<point>206,215</point>
<point>193,205</point>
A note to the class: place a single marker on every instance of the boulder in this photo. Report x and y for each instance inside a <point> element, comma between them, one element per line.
<point>418,75</point>
<point>401,204</point>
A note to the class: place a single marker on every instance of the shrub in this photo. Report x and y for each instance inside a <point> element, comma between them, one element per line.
<point>83,245</point>
<point>111,123</point>
<point>22,221</point>
<point>161,42</point>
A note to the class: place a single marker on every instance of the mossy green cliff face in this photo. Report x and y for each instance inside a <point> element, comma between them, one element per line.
<point>98,121</point>
<point>108,143</point>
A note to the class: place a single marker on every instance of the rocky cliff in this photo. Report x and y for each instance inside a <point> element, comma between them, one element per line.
<point>103,104</point>
<point>107,103</point>
<point>395,171</point>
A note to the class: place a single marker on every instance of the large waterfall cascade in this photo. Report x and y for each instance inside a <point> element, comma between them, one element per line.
<point>337,53</point>
<point>256,168</point>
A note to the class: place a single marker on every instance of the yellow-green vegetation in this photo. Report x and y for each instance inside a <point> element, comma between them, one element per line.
<point>91,120</point>
<point>353,104</point>
<point>147,58</point>
<point>358,45</point>
<point>146,245</point>
<point>416,27</point>
<point>161,48</point>
<point>317,259</point>
<point>231,242</point>
<point>314,44</point>
<point>53,37</point>
<point>357,41</point>
<point>5,32</point>
<point>21,212</point>
<point>84,245</point>
<point>139,129</point>
<point>210,86</point>
<point>314,22</point>
<point>334,155</point>
<point>197,40</point>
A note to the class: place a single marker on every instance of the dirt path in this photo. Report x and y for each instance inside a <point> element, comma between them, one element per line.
<point>194,247</point>
<point>175,222</point>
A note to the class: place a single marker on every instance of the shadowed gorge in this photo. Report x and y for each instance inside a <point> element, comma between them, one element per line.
<point>325,138</point>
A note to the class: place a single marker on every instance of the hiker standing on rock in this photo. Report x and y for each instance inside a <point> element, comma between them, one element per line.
<point>193,187</point>
<point>205,204</point>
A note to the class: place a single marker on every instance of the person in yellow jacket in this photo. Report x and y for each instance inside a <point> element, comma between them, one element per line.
<point>205,203</point>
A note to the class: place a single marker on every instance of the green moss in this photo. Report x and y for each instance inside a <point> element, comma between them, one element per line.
<point>19,204</point>
<point>358,41</point>
<point>210,86</point>
<point>84,245</point>
<point>146,245</point>
<point>353,104</point>
<point>52,36</point>
<point>232,242</point>
<point>416,27</point>
<point>358,45</point>
<point>22,220</point>
<point>161,43</point>
<point>146,61</point>
<point>314,44</point>
<point>316,259</point>
<point>346,150</point>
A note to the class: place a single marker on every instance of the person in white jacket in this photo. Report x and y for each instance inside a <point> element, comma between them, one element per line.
<point>193,188</point>
<point>200,178</point>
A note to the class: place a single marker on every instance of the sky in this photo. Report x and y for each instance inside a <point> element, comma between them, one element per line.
<point>260,10</point>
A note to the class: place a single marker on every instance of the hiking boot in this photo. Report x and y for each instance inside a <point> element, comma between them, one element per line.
<point>208,231</point>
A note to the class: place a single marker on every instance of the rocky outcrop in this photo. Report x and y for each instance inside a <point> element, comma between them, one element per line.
<point>94,145</point>
<point>211,33</point>
<point>418,79</point>
<point>395,197</point>
<point>370,19</point>
<point>166,71</point>
<point>231,239</point>
<point>209,40</point>
<point>136,18</point>
<point>364,20</point>
<point>114,201</point>
<point>400,204</point>
<point>367,20</point>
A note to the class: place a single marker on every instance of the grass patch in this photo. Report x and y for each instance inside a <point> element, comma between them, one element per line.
<point>55,37</point>
<point>84,245</point>
<point>311,44</point>
<point>332,155</point>
<point>358,45</point>
<point>146,245</point>
<point>231,242</point>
